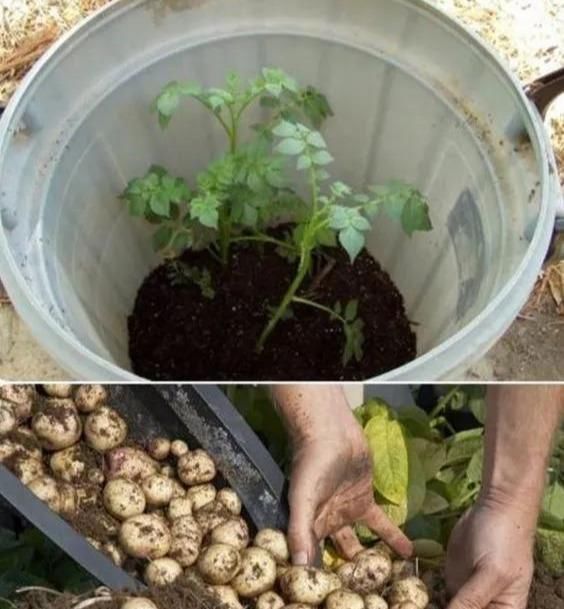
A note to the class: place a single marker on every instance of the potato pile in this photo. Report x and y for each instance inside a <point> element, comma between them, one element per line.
<point>164,511</point>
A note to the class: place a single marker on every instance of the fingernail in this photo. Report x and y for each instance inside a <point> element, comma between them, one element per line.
<point>299,558</point>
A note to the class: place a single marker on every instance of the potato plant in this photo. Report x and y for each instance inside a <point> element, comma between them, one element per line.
<point>167,517</point>
<point>242,195</point>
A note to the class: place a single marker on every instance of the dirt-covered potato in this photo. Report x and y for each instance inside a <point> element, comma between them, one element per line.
<point>58,390</point>
<point>230,500</point>
<point>298,606</point>
<point>145,536</point>
<point>186,540</point>
<point>8,419</point>
<point>269,600</point>
<point>344,599</point>
<point>402,569</point>
<point>57,425</point>
<point>305,585</point>
<point>178,490</point>
<point>89,397</point>
<point>201,495</point>
<point>167,470</point>
<point>104,429</point>
<point>158,490</point>
<point>345,573</point>
<point>219,563</point>
<point>94,542</point>
<point>130,463</point>
<point>409,589</point>
<point>138,603</point>
<point>27,468</point>
<point>21,442</point>
<point>233,532</point>
<point>405,605</point>
<point>67,498</point>
<point>178,448</point>
<point>114,552</point>
<point>212,515</point>
<point>375,601</point>
<point>275,542</point>
<point>372,571</point>
<point>196,467</point>
<point>178,507</point>
<point>162,572</point>
<point>68,464</point>
<point>46,489</point>
<point>257,573</point>
<point>22,396</point>
<point>227,596</point>
<point>159,448</point>
<point>123,498</point>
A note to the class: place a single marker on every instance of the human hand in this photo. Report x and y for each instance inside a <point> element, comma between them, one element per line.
<point>490,557</point>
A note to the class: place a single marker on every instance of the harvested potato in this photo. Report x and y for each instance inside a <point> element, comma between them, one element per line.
<point>159,448</point>
<point>372,571</point>
<point>405,605</point>
<point>145,536</point>
<point>68,464</point>
<point>162,572</point>
<point>219,563</point>
<point>375,601</point>
<point>274,541</point>
<point>305,585</point>
<point>186,540</point>
<point>345,573</point>
<point>95,476</point>
<point>94,543</point>
<point>46,489</point>
<point>22,396</point>
<point>280,570</point>
<point>410,589</point>
<point>227,596</point>
<point>178,448</point>
<point>269,600</point>
<point>114,552</point>
<point>196,467</point>
<point>158,490</point>
<point>89,397</point>
<point>212,515</point>
<point>178,491</point>
<point>230,500</point>
<point>58,390</point>
<point>334,582</point>
<point>57,425</point>
<point>178,507</point>
<point>168,471</point>
<point>8,420</point>
<point>201,495</point>
<point>257,573</point>
<point>130,463</point>
<point>68,499</point>
<point>27,468</point>
<point>344,599</point>
<point>233,532</point>
<point>104,429</point>
<point>138,603</point>
<point>402,569</point>
<point>124,498</point>
<point>87,496</point>
<point>298,606</point>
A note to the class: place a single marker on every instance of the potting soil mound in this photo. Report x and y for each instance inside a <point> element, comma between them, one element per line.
<point>177,333</point>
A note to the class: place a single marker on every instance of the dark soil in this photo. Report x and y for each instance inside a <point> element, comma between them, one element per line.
<point>178,334</point>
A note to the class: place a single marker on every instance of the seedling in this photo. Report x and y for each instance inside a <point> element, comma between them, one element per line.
<point>181,273</point>
<point>243,194</point>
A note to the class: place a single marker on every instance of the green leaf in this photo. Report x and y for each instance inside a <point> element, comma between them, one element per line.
<point>285,129</point>
<point>416,481</point>
<point>553,502</point>
<point>162,237</point>
<point>250,215</point>
<point>136,205</point>
<point>396,513</point>
<point>478,408</point>
<point>376,407</point>
<point>291,147</point>
<point>304,162</point>
<point>433,503</point>
<point>352,240</point>
<point>360,223</point>
<point>316,140</point>
<point>351,310</point>
<point>463,445</point>
<point>474,471</point>
<point>205,210</point>
<point>390,458</point>
<point>415,215</point>
<point>423,527</point>
<point>432,455</point>
<point>550,549</point>
<point>322,157</point>
<point>160,204</point>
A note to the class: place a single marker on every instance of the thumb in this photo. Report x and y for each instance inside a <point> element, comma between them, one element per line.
<point>478,592</point>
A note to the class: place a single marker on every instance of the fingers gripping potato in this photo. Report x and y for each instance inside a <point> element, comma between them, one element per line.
<point>186,540</point>
<point>196,467</point>
<point>145,536</point>
<point>233,532</point>
<point>230,500</point>
<point>162,572</point>
<point>257,573</point>
<point>89,397</point>
<point>273,541</point>
<point>104,429</point>
<point>201,495</point>
<point>58,390</point>
<point>158,490</point>
<point>130,463</point>
<point>178,507</point>
<point>372,570</point>
<point>344,599</point>
<point>124,498</point>
<point>375,601</point>
<point>410,589</point>
<point>57,425</point>
<point>46,489</point>
<point>219,563</point>
<point>269,600</point>
<point>305,585</point>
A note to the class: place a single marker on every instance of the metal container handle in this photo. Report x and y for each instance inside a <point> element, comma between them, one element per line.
<point>543,91</point>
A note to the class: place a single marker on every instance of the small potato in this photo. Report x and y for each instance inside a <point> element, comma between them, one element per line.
<point>375,601</point>
<point>402,569</point>
<point>201,495</point>
<point>345,573</point>
<point>22,396</point>
<point>233,532</point>
<point>8,420</point>
<point>89,397</point>
<point>162,572</point>
<point>257,573</point>
<point>344,599</point>
<point>227,596</point>
<point>95,476</point>
<point>145,536</point>
<point>178,448</point>
<point>334,582</point>
<point>186,540</point>
<point>58,390</point>
<point>68,464</point>
<point>372,571</point>
<point>219,563</point>
<point>410,589</point>
<point>269,600</point>
<point>275,542</point>
<point>123,498</point>
<point>305,585</point>
<point>168,471</point>
<point>130,463</point>
<point>138,603</point>
<point>405,605</point>
<point>297,606</point>
<point>46,489</point>
<point>114,552</point>
<point>178,507</point>
<point>28,469</point>
<point>57,425</point>
<point>211,515</point>
<point>196,467</point>
<point>158,490</point>
<point>104,429</point>
<point>230,500</point>
<point>159,448</point>
<point>68,499</point>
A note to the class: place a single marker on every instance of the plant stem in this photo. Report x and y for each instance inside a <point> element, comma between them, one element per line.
<point>265,239</point>
<point>316,305</point>
<point>443,402</point>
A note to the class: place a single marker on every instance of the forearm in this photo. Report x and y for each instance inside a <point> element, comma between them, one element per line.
<point>520,427</point>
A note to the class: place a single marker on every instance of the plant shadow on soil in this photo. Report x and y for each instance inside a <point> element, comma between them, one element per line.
<point>176,333</point>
